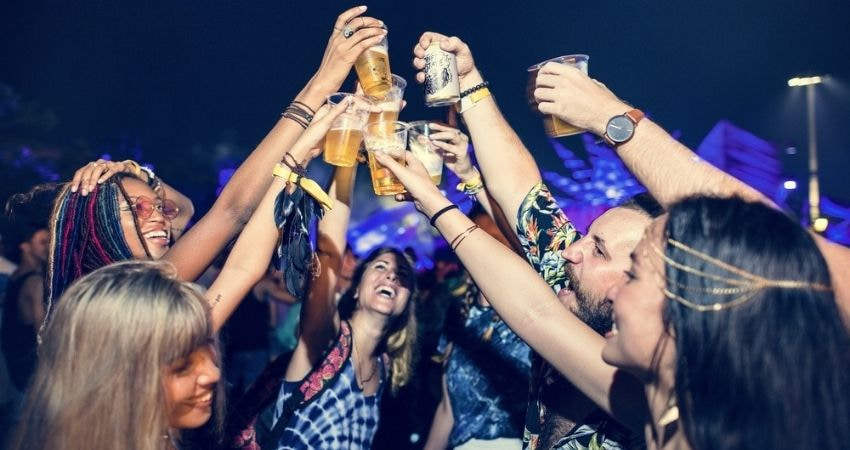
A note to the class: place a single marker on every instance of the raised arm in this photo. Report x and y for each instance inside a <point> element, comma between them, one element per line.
<point>455,148</point>
<point>319,318</point>
<point>249,260</point>
<point>193,253</point>
<point>668,169</point>
<point>503,158</point>
<point>528,305</point>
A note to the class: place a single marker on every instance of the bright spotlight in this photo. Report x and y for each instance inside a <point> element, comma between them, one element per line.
<point>820,224</point>
<point>790,185</point>
<point>805,81</point>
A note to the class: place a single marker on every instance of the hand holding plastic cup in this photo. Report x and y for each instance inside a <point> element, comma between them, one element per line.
<point>346,132</point>
<point>389,138</point>
<point>555,127</point>
<point>424,149</point>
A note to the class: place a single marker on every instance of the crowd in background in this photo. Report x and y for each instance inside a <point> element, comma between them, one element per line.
<point>695,315</point>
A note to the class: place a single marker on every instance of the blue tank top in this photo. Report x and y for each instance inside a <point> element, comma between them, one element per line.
<point>486,373</point>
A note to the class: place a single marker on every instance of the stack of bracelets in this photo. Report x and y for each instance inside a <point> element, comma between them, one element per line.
<point>299,113</point>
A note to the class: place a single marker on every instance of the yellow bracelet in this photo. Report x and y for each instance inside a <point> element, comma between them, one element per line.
<point>310,187</point>
<point>471,186</point>
<point>468,102</point>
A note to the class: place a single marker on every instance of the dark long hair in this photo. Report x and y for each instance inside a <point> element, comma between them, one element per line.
<point>86,234</point>
<point>773,372</point>
<point>400,333</point>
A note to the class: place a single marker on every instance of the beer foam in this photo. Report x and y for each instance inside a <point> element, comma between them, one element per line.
<point>379,49</point>
<point>391,105</point>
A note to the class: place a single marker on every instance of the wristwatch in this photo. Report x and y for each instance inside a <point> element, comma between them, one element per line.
<point>621,128</point>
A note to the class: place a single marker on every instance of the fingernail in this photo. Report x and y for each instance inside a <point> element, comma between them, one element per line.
<point>73,189</point>
<point>84,192</point>
<point>363,8</point>
<point>381,22</point>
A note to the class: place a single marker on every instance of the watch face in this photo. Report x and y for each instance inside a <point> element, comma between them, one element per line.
<point>620,129</point>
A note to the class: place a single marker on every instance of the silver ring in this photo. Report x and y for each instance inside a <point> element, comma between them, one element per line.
<point>347,31</point>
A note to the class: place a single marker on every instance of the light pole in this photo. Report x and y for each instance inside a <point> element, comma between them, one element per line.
<point>819,223</point>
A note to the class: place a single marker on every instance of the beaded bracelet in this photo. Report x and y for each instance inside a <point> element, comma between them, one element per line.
<point>477,87</point>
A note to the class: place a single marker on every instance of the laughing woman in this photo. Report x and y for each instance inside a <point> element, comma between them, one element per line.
<point>348,353</point>
<point>116,211</point>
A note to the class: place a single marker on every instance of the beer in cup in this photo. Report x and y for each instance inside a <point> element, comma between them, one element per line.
<point>373,70</point>
<point>391,139</point>
<point>346,133</point>
<point>555,127</point>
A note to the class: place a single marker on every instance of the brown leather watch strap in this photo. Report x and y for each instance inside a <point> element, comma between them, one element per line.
<point>635,115</point>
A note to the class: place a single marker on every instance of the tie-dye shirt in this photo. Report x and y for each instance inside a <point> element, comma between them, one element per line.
<point>341,417</point>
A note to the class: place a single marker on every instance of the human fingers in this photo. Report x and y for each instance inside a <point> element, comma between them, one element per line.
<point>425,40</point>
<point>347,15</point>
<point>544,94</point>
<point>447,136</point>
<point>556,68</point>
<point>363,39</point>
<point>111,168</point>
<point>548,80</point>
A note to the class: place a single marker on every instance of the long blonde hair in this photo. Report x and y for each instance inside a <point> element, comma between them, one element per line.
<point>100,377</point>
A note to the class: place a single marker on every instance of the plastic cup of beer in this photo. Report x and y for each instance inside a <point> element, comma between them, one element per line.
<point>555,127</point>
<point>391,139</point>
<point>442,86</point>
<point>391,102</point>
<point>346,132</point>
<point>423,148</point>
<point>373,70</point>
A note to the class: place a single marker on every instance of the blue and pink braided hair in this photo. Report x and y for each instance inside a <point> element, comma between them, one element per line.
<point>86,234</point>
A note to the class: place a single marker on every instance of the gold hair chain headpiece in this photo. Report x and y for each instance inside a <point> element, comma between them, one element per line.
<point>748,286</point>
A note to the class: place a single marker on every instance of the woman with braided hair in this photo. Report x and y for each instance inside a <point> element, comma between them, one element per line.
<point>135,341</point>
<point>109,213</point>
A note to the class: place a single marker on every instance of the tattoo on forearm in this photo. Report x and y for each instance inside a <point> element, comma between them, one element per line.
<point>215,302</point>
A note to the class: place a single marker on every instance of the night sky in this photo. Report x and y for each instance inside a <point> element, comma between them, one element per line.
<point>172,75</point>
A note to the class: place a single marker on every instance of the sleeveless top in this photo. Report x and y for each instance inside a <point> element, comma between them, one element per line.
<point>341,417</point>
<point>19,339</point>
<point>486,372</point>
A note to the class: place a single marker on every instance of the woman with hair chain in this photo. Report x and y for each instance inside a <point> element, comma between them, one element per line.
<point>717,284</point>
<point>129,359</point>
<point>109,213</point>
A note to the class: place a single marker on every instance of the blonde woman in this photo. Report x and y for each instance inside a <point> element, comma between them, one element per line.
<point>129,360</point>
